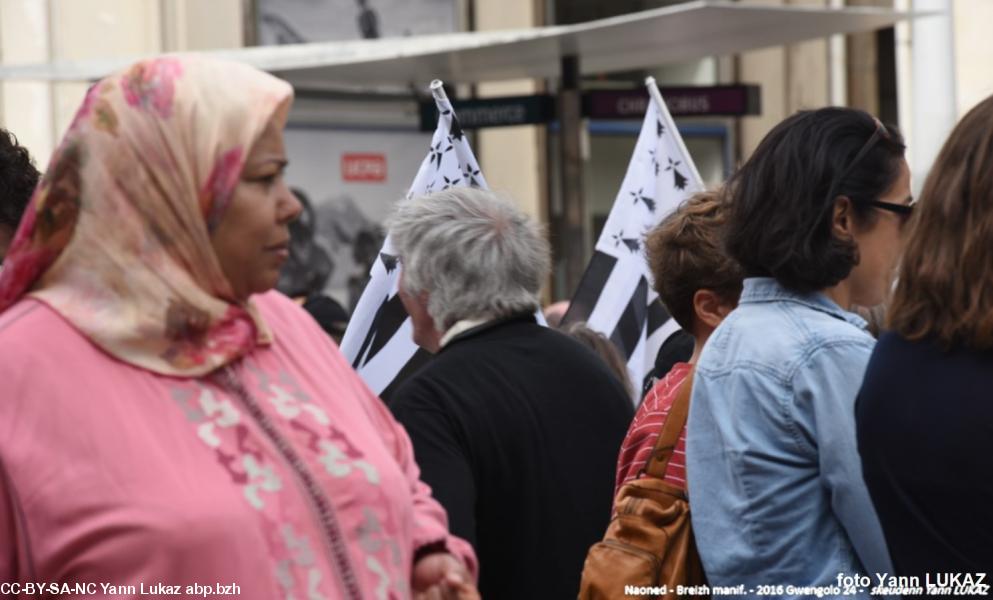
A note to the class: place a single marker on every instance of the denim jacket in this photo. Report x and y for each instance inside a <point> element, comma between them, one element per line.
<point>774,476</point>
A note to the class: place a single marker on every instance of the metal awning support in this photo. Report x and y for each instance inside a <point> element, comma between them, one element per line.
<point>568,233</point>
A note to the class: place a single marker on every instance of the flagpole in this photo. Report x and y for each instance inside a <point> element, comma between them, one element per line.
<point>656,95</point>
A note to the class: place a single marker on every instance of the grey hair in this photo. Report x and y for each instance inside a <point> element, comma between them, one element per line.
<point>476,254</point>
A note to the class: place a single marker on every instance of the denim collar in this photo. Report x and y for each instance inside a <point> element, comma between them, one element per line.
<point>767,289</point>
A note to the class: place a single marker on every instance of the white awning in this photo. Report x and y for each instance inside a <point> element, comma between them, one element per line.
<point>633,41</point>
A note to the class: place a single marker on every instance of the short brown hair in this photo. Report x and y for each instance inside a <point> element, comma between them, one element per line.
<point>945,286</point>
<point>686,253</point>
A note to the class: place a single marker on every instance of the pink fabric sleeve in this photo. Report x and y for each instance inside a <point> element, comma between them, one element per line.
<point>430,519</point>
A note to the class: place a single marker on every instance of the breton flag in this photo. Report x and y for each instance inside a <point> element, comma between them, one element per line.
<point>378,339</point>
<point>614,296</point>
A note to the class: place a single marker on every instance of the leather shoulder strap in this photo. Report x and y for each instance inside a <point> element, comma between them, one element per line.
<point>674,423</point>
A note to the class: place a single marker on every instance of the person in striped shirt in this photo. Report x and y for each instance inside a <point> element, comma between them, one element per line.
<point>699,285</point>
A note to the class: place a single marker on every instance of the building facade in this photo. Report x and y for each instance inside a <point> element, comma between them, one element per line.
<point>353,154</point>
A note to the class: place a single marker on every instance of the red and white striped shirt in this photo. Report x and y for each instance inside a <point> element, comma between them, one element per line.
<point>646,428</point>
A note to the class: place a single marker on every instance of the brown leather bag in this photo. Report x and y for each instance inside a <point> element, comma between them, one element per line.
<point>649,541</point>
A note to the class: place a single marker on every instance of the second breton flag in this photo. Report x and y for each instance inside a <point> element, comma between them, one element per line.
<point>378,339</point>
<point>614,296</point>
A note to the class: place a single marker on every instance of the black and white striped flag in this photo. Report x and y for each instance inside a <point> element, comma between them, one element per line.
<point>615,296</point>
<point>378,339</point>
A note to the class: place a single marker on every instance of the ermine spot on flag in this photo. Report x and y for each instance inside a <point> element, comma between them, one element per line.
<point>389,261</point>
<point>640,195</point>
<point>679,180</point>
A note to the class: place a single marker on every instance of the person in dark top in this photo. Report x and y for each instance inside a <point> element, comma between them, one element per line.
<point>677,348</point>
<point>329,314</point>
<point>18,179</point>
<point>515,426</point>
<point>925,411</point>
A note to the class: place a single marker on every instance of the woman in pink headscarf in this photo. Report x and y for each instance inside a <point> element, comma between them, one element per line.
<point>166,417</point>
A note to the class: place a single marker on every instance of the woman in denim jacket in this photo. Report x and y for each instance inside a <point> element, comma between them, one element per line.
<point>773,470</point>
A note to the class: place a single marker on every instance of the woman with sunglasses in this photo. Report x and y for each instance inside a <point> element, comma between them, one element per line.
<point>924,415</point>
<point>774,476</point>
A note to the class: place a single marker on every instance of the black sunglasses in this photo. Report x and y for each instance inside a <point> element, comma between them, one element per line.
<point>904,210</point>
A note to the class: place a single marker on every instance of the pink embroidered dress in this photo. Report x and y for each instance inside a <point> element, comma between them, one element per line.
<point>154,433</point>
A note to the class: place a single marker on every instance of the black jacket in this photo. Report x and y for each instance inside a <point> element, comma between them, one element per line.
<point>516,428</point>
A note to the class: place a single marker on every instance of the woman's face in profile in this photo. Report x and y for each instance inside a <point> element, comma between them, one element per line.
<point>880,246</point>
<point>252,239</point>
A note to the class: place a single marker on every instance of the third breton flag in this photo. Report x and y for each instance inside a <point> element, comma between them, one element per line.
<point>378,339</point>
<point>614,296</point>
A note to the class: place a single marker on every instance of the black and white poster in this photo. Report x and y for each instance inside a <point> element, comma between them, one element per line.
<point>302,21</point>
<point>348,182</point>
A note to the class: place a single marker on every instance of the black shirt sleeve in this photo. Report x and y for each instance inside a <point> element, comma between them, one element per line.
<point>440,454</point>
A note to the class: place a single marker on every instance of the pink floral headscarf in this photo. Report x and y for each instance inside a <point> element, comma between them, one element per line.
<point>116,237</point>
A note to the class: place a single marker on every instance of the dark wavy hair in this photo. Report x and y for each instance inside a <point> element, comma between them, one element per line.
<point>18,178</point>
<point>944,289</point>
<point>782,199</point>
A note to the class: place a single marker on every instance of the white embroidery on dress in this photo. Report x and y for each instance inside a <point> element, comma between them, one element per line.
<point>370,472</point>
<point>314,581</point>
<point>299,546</point>
<point>371,540</point>
<point>298,572</point>
<point>260,478</point>
<point>221,414</point>
<point>333,459</point>
<point>317,413</point>
<point>339,465</point>
<point>290,406</point>
<point>184,397</point>
<point>384,578</point>
<point>368,530</point>
<point>285,578</point>
<point>286,405</point>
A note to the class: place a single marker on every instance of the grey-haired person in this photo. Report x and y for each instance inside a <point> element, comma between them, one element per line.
<point>515,426</point>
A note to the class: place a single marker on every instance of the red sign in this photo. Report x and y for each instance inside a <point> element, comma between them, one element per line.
<point>363,167</point>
